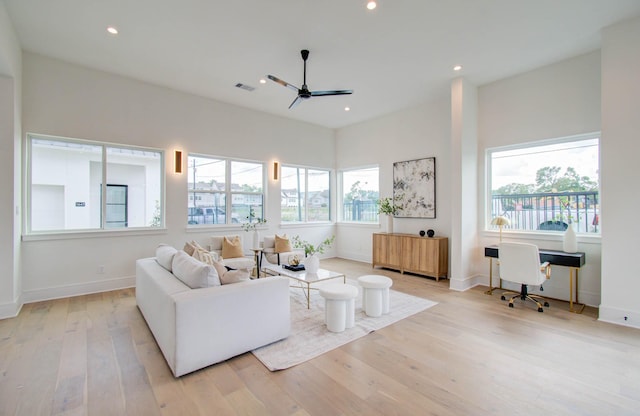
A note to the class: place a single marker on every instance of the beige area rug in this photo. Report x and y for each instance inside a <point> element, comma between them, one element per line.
<point>309,335</point>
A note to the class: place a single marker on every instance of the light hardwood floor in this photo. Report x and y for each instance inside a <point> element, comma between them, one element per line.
<point>468,355</point>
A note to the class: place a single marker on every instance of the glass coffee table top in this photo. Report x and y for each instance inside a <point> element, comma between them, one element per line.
<point>304,277</point>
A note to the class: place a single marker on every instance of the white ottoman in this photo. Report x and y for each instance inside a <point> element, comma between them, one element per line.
<point>339,306</point>
<point>375,294</point>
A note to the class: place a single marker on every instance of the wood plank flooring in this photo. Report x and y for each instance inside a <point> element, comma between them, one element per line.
<point>468,355</point>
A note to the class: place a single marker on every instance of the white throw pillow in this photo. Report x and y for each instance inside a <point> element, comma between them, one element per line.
<point>164,255</point>
<point>194,273</point>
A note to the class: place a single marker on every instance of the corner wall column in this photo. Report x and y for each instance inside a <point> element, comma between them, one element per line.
<point>464,188</point>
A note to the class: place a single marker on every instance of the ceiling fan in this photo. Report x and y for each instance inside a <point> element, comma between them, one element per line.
<point>304,93</point>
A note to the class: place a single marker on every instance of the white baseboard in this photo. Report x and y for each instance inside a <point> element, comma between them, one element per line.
<point>66,291</point>
<point>619,316</point>
<point>355,256</point>
<point>11,309</point>
<point>467,283</point>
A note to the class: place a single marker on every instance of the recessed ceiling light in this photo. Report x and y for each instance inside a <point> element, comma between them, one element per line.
<point>457,67</point>
<point>263,81</point>
<point>347,109</point>
<point>371,5</point>
<point>112,30</point>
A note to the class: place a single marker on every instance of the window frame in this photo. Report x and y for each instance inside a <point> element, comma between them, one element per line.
<point>27,200</point>
<point>306,194</point>
<point>341,193</point>
<point>228,193</point>
<point>488,209</point>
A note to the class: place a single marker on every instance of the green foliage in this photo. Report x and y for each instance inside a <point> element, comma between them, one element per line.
<point>310,249</point>
<point>252,221</point>
<point>357,193</point>
<point>515,188</point>
<point>548,179</point>
<point>156,220</point>
<point>387,206</point>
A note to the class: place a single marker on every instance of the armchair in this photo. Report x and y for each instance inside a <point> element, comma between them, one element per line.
<point>273,257</point>
<point>241,260</point>
<point>520,263</point>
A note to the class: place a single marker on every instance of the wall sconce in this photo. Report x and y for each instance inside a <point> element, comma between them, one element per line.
<point>276,172</point>
<point>177,167</point>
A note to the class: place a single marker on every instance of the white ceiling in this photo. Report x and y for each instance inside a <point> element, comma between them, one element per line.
<point>397,56</point>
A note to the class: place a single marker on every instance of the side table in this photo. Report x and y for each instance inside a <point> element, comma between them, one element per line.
<point>257,252</point>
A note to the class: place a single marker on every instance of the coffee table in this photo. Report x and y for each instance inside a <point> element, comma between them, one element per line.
<point>303,277</point>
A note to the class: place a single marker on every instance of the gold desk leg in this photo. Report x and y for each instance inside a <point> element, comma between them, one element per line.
<point>580,307</point>
<point>491,288</point>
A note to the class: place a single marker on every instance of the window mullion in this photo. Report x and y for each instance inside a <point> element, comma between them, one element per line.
<point>103,190</point>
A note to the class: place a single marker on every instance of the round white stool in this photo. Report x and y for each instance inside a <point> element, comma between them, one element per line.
<point>339,306</point>
<point>375,294</point>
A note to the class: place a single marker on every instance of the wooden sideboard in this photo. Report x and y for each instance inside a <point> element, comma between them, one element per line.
<point>427,256</point>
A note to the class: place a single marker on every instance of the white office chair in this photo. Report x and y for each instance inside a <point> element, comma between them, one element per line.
<point>520,263</point>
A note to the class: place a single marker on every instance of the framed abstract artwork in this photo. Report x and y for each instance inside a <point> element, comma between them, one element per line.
<point>414,188</point>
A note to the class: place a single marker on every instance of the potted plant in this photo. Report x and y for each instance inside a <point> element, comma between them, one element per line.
<point>311,251</point>
<point>252,224</point>
<point>388,207</point>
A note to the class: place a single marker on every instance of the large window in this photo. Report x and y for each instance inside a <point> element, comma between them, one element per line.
<point>223,191</point>
<point>68,178</point>
<point>305,195</point>
<point>546,186</point>
<point>360,193</point>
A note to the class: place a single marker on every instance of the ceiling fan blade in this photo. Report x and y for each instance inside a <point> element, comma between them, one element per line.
<point>283,83</point>
<point>334,92</point>
<point>295,102</point>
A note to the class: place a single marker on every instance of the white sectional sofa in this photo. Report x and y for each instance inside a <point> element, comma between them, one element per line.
<point>199,327</point>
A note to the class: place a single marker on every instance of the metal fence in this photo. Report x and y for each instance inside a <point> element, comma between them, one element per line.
<point>365,211</point>
<point>549,211</point>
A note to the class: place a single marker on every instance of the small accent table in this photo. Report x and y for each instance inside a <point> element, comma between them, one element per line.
<point>303,277</point>
<point>574,261</point>
<point>257,252</point>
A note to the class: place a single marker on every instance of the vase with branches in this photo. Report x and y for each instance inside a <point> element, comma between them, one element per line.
<point>311,251</point>
<point>251,225</point>
<point>388,207</point>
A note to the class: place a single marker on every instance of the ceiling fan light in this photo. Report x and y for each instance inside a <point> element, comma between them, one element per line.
<point>371,5</point>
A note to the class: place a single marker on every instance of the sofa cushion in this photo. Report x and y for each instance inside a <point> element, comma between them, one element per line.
<point>282,244</point>
<point>220,268</point>
<point>232,247</point>
<point>194,273</point>
<point>203,256</point>
<point>235,276</point>
<point>164,255</point>
<point>229,275</point>
<point>189,248</point>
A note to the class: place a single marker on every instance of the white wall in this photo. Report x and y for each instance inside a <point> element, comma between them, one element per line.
<point>558,100</point>
<point>10,153</point>
<point>554,101</point>
<point>66,100</point>
<point>619,156</point>
<point>415,133</point>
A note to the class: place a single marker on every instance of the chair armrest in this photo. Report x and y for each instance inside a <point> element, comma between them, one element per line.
<point>546,268</point>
